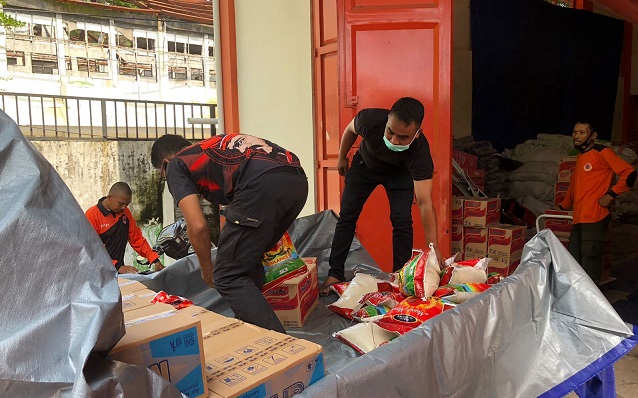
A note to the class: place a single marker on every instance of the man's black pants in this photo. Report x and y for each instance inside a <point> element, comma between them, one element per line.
<point>360,182</point>
<point>587,246</point>
<point>256,219</point>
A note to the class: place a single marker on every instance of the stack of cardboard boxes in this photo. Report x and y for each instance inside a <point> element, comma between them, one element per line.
<point>476,233</point>
<point>205,354</point>
<point>565,170</point>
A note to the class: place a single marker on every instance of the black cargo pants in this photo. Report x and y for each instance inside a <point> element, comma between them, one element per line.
<point>587,246</point>
<point>256,219</point>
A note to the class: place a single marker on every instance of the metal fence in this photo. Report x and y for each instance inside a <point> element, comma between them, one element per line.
<point>58,117</point>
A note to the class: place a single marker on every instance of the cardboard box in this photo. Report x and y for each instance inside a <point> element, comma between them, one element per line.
<point>476,175</point>
<point>481,212</point>
<point>266,364</point>
<point>560,191</point>
<point>505,239</point>
<point>165,341</point>
<point>475,240</point>
<point>566,167</point>
<point>457,210</point>
<point>295,298</point>
<point>561,227</point>
<point>128,286</point>
<point>204,316</point>
<point>465,160</point>
<point>132,302</point>
<point>505,265</point>
<point>456,233</point>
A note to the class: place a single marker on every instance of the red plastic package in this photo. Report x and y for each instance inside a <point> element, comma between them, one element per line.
<point>410,313</point>
<point>176,301</point>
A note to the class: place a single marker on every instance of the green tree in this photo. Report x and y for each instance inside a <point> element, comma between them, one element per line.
<point>8,20</point>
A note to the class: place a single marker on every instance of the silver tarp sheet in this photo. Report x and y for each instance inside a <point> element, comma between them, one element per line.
<point>61,305</point>
<point>541,331</point>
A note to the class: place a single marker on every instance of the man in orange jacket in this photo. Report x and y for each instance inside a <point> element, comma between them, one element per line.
<point>114,223</point>
<point>591,195</point>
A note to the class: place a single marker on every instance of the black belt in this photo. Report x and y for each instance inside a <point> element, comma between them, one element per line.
<point>286,170</point>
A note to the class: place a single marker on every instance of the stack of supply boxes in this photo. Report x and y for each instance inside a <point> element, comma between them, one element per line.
<point>476,233</point>
<point>505,246</point>
<point>205,354</point>
<point>565,171</point>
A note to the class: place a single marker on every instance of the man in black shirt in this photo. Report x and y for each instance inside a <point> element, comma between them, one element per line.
<point>393,153</point>
<point>265,189</point>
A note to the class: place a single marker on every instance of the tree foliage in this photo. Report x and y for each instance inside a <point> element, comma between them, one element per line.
<point>8,20</point>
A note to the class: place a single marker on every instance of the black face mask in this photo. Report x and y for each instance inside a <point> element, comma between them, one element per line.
<point>584,145</point>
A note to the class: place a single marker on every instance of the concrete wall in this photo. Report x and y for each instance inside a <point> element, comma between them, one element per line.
<point>274,58</point>
<point>89,168</point>
<point>462,70</point>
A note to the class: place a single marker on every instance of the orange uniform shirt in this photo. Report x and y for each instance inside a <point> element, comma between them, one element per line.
<point>592,179</point>
<point>115,230</point>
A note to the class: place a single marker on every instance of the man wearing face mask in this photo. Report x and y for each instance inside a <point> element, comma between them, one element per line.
<point>590,196</point>
<point>394,153</point>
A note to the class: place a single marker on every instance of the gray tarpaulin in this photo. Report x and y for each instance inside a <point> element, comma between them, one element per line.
<point>61,305</point>
<point>545,330</point>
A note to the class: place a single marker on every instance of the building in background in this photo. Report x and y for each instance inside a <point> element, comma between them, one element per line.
<point>150,50</point>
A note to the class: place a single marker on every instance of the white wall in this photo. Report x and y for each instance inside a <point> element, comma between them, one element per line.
<point>274,68</point>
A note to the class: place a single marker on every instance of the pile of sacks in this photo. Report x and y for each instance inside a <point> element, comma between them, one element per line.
<point>421,290</point>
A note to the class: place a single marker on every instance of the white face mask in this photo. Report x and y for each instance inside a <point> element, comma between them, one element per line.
<point>399,148</point>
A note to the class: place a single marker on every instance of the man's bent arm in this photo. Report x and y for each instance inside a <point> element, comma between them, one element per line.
<point>423,193</point>
<point>198,234</point>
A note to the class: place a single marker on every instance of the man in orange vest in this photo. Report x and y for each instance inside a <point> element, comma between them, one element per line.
<point>114,223</point>
<point>591,195</point>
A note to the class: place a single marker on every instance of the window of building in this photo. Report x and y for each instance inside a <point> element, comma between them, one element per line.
<point>15,58</point>
<point>133,69</point>
<point>195,49</point>
<point>177,73</point>
<point>124,41</point>
<point>144,43</point>
<point>211,51</point>
<point>176,47</point>
<point>44,63</point>
<point>197,74</point>
<point>93,65</point>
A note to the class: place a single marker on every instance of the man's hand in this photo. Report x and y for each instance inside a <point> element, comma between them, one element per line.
<point>342,166</point>
<point>158,266</point>
<point>207,276</point>
<point>127,269</point>
<point>606,201</point>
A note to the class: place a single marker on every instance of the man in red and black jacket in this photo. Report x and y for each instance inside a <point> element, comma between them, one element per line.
<point>265,189</point>
<point>114,223</point>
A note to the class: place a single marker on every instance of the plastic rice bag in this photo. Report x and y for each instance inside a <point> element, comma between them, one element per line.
<point>419,277</point>
<point>374,305</point>
<point>469,271</point>
<point>364,337</point>
<point>360,285</point>
<point>461,292</point>
<point>410,313</point>
<point>281,263</point>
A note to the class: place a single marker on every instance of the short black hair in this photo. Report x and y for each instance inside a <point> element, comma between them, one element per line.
<point>408,110</point>
<point>583,120</point>
<point>165,147</point>
<point>120,188</point>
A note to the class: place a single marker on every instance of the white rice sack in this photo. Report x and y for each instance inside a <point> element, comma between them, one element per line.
<point>365,337</point>
<point>538,189</point>
<point>536,171</point>
<point>360,285</point>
